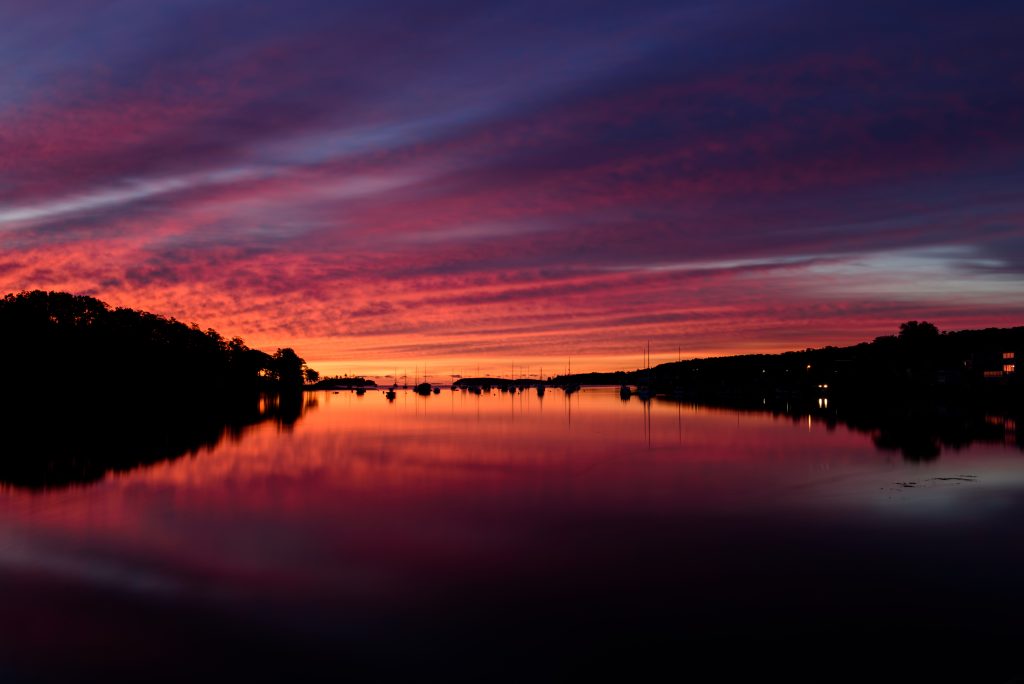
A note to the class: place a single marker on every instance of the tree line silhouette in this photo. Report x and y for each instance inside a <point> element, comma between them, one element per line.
<point>87,388</point>
<point>918,362</point>
<point>56,338</point>
<point>917,391</point>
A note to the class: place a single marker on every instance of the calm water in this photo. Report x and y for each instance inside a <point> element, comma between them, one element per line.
<point>525,538</point>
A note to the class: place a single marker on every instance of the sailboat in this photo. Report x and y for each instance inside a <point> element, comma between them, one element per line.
<point>570,387</point>
<point>391,394</point>
<point>644,390</point>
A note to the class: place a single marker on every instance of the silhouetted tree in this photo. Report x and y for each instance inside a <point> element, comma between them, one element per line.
<point>79,343</point>
<point>289,368</point>
<point>918,333</point>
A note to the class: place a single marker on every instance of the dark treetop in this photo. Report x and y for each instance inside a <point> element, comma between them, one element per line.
<point>60,339</point>
<point>88,389</point>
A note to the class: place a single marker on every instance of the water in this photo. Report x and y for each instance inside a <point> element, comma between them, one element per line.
<point>518,537</point>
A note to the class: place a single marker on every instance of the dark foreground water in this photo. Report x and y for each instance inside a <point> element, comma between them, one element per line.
<point>514,537</point>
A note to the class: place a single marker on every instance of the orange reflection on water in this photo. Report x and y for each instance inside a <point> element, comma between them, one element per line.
<point>589,448</point>
<point>414,508</point>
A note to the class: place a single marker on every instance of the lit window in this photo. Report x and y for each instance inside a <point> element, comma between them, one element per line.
<point>1008,367</point>
<point>1007,356</point>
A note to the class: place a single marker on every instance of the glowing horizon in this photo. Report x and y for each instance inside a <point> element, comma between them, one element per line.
<point>501,183</point>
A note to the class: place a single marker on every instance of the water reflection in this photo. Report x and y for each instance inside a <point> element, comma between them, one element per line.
<point>60,445</point>
<point>496,537</point>
<point>918,430</point>
<point>52,445</point>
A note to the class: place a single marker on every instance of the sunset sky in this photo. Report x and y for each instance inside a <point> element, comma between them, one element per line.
<point>383,185</point>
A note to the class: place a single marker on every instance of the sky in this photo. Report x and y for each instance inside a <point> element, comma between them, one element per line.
<point>499,185</point>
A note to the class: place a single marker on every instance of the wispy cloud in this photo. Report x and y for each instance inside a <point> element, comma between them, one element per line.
<point>518,179</point>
